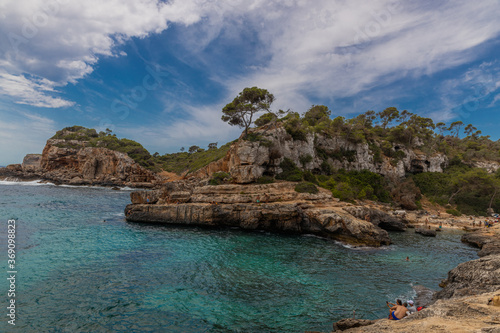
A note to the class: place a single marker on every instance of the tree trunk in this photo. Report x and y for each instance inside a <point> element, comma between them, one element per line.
<point>493,197</point>
<point>449,200</point>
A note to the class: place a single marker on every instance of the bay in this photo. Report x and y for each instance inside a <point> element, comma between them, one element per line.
<point>77,273</point>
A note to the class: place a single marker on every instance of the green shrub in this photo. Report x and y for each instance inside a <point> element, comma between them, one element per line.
<point>219,178</point>
<point>255,137</point>
<point>309,177</point>
<point>306,187</point>
<point>327,168</point>
<point>453,212</point>
<point>266,118</point>
<point>265,180</point>
<point>290,171</point>
<point>377,153</point>
<point>180,162</point>
<point>305,159</point>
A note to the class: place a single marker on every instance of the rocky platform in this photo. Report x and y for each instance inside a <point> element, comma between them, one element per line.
<point>274,207</point>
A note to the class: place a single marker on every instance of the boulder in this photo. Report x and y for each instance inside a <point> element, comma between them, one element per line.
<point>426,232</point>
<point>377,217</point>
<point>31,163</point>
<point>489,249</point>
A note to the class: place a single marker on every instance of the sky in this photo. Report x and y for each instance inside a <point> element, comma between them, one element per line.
<point>160,72</point>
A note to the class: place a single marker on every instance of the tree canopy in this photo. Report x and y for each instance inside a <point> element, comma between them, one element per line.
<point>241,110</point>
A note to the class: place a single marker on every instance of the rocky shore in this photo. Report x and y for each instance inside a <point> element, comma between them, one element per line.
<point>81,165</point>
<point>276,207</point>
<point>468,302</point>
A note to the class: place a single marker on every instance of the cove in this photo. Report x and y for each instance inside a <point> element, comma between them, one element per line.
<point>78,273</point>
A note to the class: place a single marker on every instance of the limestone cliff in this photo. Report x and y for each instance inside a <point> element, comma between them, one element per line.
<point>274,207</point>
<point>247,160</point>
<point>72,162</point>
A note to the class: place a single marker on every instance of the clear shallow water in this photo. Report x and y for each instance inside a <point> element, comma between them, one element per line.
<point>77,273</point>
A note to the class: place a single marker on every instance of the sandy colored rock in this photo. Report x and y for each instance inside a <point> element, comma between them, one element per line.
<point>82,165</point>
<point>469,314</point>
<point>274,207</point>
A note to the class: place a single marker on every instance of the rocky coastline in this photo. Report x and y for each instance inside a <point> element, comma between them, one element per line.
<point>275,207</point>
<point>78,164</point>
<point>466,303</point>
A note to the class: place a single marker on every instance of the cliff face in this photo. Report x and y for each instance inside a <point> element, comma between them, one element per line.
<point>248,160</point>
<point>274,207</point>
<point>83,165</point>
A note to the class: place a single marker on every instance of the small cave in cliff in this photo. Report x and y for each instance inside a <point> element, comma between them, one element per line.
<point>416,167</point>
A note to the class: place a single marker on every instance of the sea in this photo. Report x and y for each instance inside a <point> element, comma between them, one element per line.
<point>80,267</point>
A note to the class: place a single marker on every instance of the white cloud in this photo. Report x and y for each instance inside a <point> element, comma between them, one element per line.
<point>317,49</point>
<point>32,91</point>
<point>61,40</point>
<point>358,45</point>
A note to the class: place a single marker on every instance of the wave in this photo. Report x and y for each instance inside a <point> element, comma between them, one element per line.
<point>40,182</point>
<point>15,181</point>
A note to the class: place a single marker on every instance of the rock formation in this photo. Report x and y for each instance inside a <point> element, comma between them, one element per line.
<point>81,165</point>
<point>426,232</point>
<point>248,160</point>
<point>472,278</point>
<point>274,207</point>
<point>465,302</point>
<point>487,239</point>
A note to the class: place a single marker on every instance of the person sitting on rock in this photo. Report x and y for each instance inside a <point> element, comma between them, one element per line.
<point>411,308</point>
<point>397,311</point>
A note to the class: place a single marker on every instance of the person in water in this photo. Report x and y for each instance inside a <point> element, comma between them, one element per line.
<point>397,311</point>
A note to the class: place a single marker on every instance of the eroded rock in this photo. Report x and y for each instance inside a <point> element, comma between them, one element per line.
<point>275,207</point>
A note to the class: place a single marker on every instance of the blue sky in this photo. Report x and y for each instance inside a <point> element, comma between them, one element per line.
<point>159,72</point>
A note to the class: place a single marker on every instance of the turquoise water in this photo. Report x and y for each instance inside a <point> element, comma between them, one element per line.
<point>77,273</point>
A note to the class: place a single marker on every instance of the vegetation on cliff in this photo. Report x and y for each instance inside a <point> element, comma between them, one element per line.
<point>79,136</point>
<point>389,134</point>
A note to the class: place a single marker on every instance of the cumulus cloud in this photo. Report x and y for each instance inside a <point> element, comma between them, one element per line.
<point>61,41</point>
<point>31,91</point>
<point>333,49</point>
<point>310,49</point>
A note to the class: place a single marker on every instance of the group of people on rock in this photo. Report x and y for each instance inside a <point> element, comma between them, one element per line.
<point>399,310</point>
<point>486,223</point>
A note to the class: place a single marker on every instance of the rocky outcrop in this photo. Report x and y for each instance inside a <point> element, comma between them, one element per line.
<point>487,239</point>
<point>348,323</point>
<point>377,217</point>
<point>77,164</point>
<point>489,166</point>
<point>248,160</point>
<point>472,278</point>
<point>426,232</point>
<point>274,207</point>
<point>460,314</point>
<point>31,163</point>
